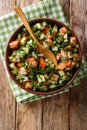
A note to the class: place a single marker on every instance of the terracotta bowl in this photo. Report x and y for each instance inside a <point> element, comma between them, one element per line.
<point>13,37</point>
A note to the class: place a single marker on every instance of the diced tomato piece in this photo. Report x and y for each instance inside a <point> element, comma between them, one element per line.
<point>69,63</point>
<point>62,66</point>
<point>14,44</point>
<point>45,30</point>
<point>54,77</point>
<point>19,65</point>
<point>27,85</point>
<point>49,36</point>
<point>42,63</point>
<point>32,61</point>
<point>47,83</point>
<point>69,47</point>
<point>73,64</point>
<point>63,53</point>
<point>50,41</point>
<point>62,30</point>
<point>58,56</point>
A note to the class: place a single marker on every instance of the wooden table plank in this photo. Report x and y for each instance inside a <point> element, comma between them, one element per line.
<point>7,102</point>
<point>56,109</point>
<point>23,3</point>
<point>78,98</point>
<point>56,113</point>
<point>6,6</point>
<point>29,116</point>
<point>78,107</point>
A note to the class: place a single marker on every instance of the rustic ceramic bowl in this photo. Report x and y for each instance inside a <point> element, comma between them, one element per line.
<point>13,37</point>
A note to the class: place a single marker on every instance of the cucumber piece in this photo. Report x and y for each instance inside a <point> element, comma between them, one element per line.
<point>70,54</point>
<point>65,36</point>
<point>19,36</point>
<point>75,50</point>
<point>40,78</point>
<point>45,44</point>
<point>14,69</point>
<point>59,39</point>
<point>55,28</point>
<point>77,65</point>
<point>30,42</point>
<point>25,49</point>
<point>37,26</point>
<point>61,72</point>
<point>24,30</point>
<point>23,41</point>
<point>20,77</point>
<point>43,88</point>
<point>53,87</point>
<point>42,36</point>
<point>54,48</point>
<point>44,24</point>
<point>34,54</point>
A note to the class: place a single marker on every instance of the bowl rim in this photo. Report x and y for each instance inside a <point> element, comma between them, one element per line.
<point>31,23</point>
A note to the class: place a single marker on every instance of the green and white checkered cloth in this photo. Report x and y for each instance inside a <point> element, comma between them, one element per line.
<point>9,22</point>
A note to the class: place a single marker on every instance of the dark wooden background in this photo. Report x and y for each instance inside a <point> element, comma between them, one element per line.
<point>67,111</point>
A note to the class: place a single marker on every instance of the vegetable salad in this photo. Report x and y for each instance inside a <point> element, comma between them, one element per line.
<point>34,71</point>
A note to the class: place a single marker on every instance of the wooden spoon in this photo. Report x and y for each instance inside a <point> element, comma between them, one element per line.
<point>46,52</point>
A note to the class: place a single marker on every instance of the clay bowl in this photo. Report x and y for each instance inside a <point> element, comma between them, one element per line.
<point>13,37</point>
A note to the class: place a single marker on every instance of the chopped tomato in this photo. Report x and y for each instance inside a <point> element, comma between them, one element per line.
<point>62,66</point>
<point>69,63</point>
<point>19,65</point>
<point>73,64</point>
<point>54,77</point>
<point>49,36</point>
<point>47,83</point>
<point>69,47</point>
<point>50,41</point>
<point>63,53</point>
<point>14,44</point>
<point>58,56</point>
<point>32,61</point>
<point>62,30</point>
<point>42,63</point>
<point>27,85</point>
<point>46,29</point>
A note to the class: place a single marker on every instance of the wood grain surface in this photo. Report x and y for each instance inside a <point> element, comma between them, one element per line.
<point>67,111</point>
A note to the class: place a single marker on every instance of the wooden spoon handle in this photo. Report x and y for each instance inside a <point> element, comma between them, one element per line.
<point>46,52</point>
<point>20,13</point>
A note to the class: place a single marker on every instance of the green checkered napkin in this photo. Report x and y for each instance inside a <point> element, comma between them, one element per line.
<point>9,22</point>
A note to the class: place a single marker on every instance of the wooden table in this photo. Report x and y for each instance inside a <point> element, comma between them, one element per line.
<point>67,111</point>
